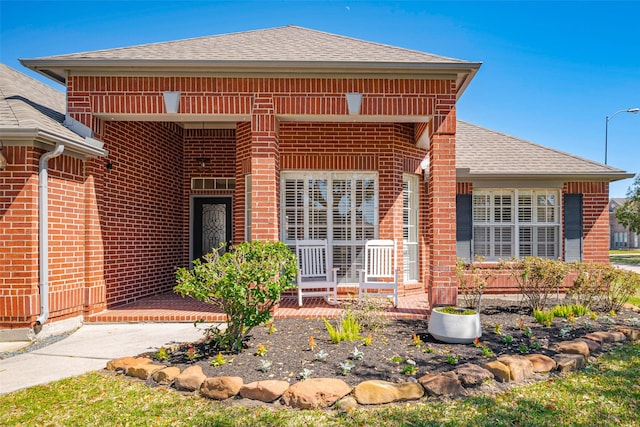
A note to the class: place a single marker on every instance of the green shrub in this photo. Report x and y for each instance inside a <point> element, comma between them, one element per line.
<point>620,285</point>
<point>369,312</point>
<point>543,317</point>
<point>563,311</point>
<point>348,330</point>
<point>245,282</point>
<point>588,287</point>
<point>537,278</point>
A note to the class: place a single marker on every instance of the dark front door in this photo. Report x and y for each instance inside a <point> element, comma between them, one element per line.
<point>211,224</point>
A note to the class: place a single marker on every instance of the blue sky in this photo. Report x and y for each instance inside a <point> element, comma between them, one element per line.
<point>552,71</point>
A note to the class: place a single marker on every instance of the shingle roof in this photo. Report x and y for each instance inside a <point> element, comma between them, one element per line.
<point>491,154</point>
<point>289,50</point>
<point>27,104</point>
<point>281,44</point>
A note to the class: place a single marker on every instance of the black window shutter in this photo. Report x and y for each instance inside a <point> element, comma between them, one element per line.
<point>572,227</point>
<point>464,226</point>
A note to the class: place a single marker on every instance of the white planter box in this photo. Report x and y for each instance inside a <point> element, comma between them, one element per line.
<point>454,328</point>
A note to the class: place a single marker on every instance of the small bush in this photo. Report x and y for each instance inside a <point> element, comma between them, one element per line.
<point>369,312</point>
<point>588,288</point>
<point>348,330</point>
<point>544,317</point>
<point>245,282</point>
<point>537,278</point>
<point>472,280</point>
<point>620,285</point>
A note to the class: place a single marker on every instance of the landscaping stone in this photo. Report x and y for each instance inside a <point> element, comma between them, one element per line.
<point>166,375</point>
<point>123,363</point>
<point>520,368</point>
<point>593,345</point>
<point>347,404</point>
<point>265,391</point>
<point>632,334</point>
<point>471,375</point>
<point>570,362</point>
<point>221,388</point>
<point>440,385</point>
<point>631,307</point>
<point>606,337</point>
<point>143,371</point>
<point>573,347</point>
<point>499,370</point>
<point>315,393</point>
<point>541,363</point>
<point>375,392</point>
<point>190,379</point>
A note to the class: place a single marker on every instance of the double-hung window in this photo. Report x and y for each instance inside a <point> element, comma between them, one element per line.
<point>516,222</point>
<point>341,207</point>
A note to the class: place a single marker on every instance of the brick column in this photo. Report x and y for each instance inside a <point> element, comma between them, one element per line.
<point>265,171</point>
<point>443,287</point>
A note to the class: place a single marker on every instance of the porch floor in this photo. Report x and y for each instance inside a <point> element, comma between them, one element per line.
<point>170,307</point>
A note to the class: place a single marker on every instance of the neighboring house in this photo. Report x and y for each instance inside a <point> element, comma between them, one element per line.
<point>620,237</point>
<point>281,134</point>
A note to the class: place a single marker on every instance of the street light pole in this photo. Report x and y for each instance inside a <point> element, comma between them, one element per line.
<point>606,128</point>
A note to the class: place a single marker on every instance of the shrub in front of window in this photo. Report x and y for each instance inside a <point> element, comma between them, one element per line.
<point>246,283</point>
<point>537,278</point>
<point>472,280</point>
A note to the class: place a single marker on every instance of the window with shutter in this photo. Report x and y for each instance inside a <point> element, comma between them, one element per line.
<point>500,216</point>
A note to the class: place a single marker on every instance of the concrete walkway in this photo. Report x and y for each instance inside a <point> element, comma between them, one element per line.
<point>89,349</point>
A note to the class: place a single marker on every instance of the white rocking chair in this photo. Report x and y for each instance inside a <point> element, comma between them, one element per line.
<point>316,277</point>
<point>380,275</point>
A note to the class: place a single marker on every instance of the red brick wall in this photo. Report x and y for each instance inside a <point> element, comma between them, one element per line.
<point>595,212</point>
<point>142,209</point>
<point>18,237</point>
<point>258,150</point>
<point>19,281</point>
<point>66,236</point>
<point>219,146</point>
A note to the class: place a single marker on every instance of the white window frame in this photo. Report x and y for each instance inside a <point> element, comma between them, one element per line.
<point>247,207</point>
<point>299,189</point>
<point>410,211</point>
<point>503,216</point>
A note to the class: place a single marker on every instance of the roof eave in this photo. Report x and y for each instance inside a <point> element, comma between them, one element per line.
<point>59,69</point>
<point>463,174</point>
<point>84,147</point>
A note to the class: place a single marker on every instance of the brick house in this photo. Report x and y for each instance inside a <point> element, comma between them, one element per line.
<point>620,237</point>
<point>276,134</point>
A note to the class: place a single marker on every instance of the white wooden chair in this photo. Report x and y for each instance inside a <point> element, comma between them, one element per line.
<point>316,277</point>
<point>380,274</point>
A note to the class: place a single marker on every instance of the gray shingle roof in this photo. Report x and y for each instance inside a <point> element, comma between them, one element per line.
<point>491,154</point>
<point>27,104</point>
<point>281,44</point>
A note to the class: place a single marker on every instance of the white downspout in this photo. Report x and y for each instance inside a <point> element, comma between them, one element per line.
<point>43,233</point>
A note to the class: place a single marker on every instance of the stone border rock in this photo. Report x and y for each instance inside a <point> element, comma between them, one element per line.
<point>320,393</point>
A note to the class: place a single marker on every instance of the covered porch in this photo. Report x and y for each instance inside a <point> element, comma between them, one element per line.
<point>170,307</point>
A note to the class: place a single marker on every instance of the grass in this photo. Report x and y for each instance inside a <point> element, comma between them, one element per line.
<point>605,394</point>
<point>625,256</point>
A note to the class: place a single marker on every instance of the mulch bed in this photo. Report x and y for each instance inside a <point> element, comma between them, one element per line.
<point>288,347</point>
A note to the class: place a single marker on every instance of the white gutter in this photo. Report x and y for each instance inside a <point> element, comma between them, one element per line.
<point>43,233</point>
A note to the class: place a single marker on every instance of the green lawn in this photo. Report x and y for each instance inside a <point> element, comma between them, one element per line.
<point>628,256</point>
<point>605,394</point>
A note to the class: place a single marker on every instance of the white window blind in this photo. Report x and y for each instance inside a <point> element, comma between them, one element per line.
<point>341,207</point>
<point>516,222</point>
<point>410,211</point>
